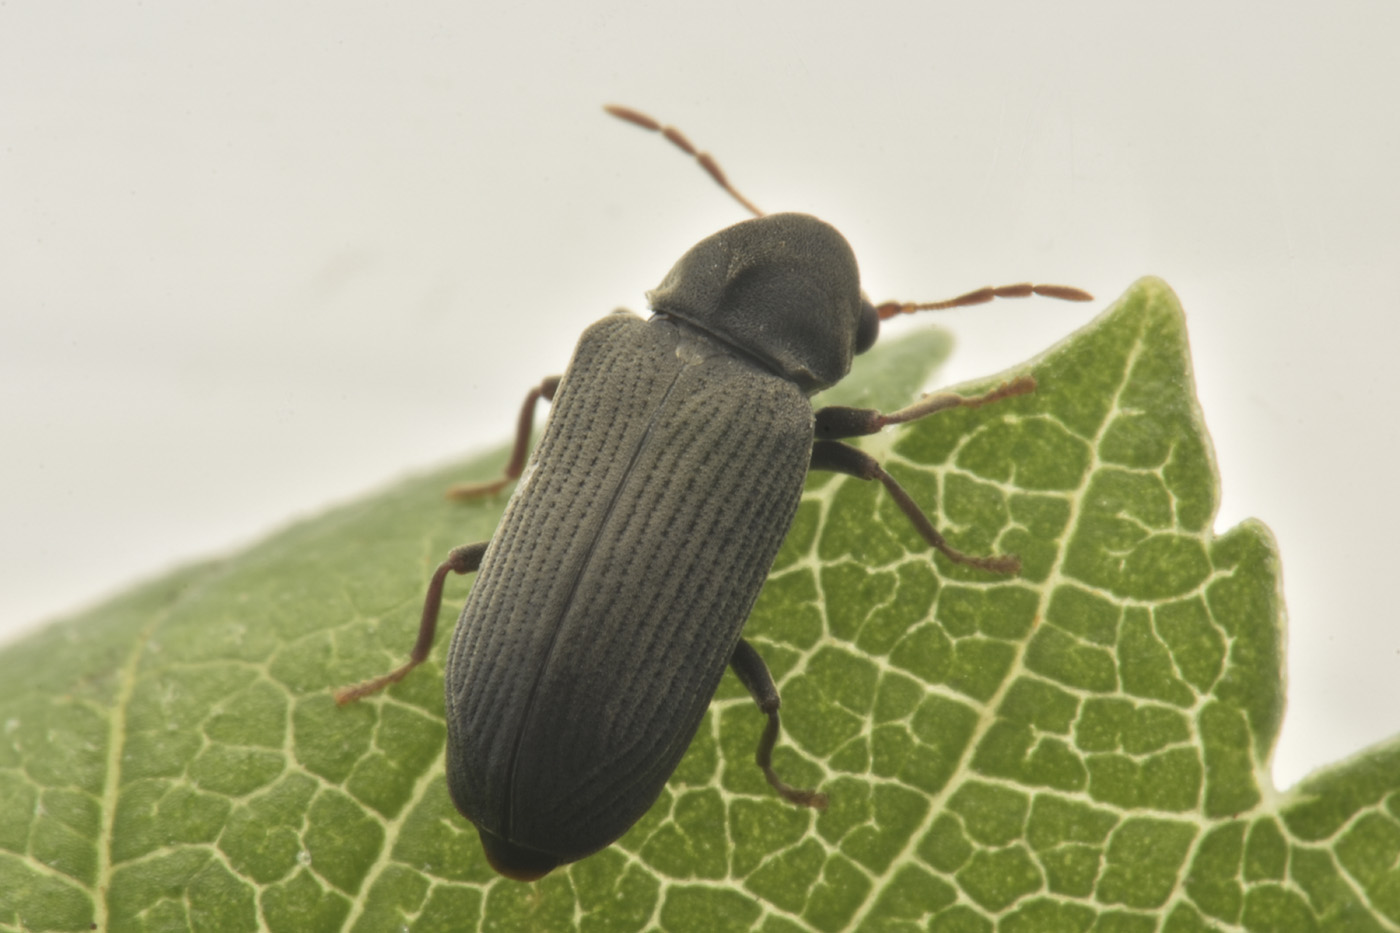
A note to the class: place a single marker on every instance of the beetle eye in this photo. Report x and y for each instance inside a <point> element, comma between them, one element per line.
<point>869,327</point>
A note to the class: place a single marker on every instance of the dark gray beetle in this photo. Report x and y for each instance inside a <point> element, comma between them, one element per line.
<point>615,589</point>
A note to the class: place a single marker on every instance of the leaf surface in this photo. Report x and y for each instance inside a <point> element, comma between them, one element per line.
<point>1081,748</point>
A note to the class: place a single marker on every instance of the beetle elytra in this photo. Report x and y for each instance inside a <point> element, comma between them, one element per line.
<point>614,592</point>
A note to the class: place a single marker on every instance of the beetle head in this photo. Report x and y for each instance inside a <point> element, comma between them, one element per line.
<point>783,288</point>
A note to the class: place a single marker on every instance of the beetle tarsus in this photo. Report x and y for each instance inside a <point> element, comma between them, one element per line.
<point>802,797</point>
<point>999,563</point>
<point>931,404</point>
<point>754,675</point>
<point>463,492</point>
<point>837,421</point>
<point>347,695</point>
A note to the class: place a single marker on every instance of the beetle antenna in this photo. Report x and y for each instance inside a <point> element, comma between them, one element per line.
<point>678,140</point>
<point>981,296</point>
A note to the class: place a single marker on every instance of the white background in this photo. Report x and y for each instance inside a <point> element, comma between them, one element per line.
<point>260,257</point>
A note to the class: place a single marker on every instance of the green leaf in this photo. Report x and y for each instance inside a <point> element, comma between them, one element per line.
<point>1083,747</point>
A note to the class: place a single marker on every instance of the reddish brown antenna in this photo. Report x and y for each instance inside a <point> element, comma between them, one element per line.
<point>890,308</point>
<point>981,296</point>
<point>678,140</point>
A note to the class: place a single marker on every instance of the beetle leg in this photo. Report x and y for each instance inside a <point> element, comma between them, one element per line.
<point>464,559</point>
<point>841,458</point>
<point>545,390</point>
<point>837,421</point>
<point>753,673</point>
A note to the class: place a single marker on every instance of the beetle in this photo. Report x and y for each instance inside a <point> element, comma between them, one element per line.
<point>614,592</point>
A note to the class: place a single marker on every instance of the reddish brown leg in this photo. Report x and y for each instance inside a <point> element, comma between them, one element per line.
<point>465,559</point>
<point>837,421</point>
<point>545,390</point>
